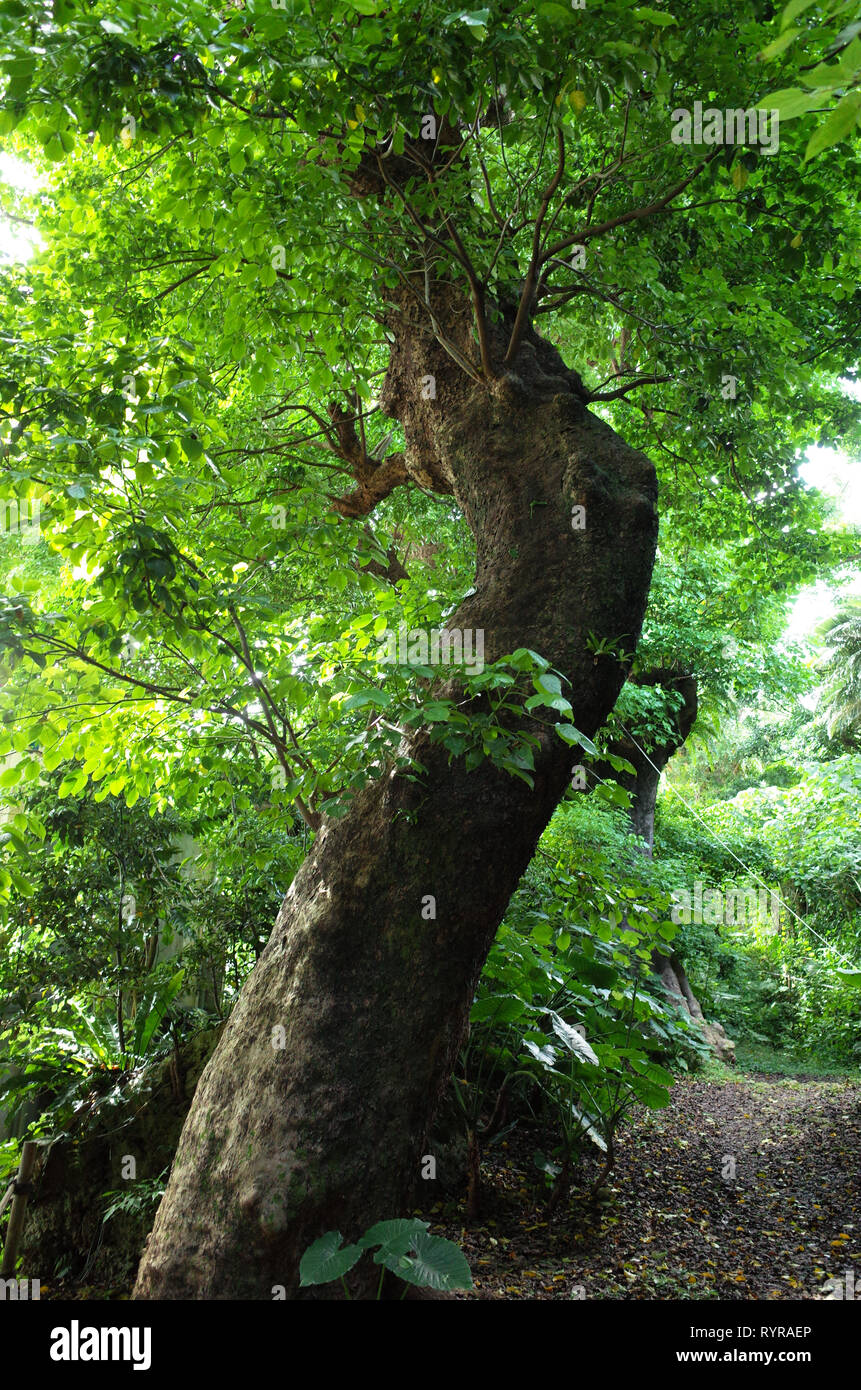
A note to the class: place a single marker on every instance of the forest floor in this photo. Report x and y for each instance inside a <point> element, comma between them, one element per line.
<point>677,1225</point>
<point>673,1223</point>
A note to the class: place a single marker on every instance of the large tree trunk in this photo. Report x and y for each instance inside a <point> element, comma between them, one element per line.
<point>281,1145</point>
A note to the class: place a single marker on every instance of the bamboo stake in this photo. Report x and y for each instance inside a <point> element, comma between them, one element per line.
<point>20,1193</point>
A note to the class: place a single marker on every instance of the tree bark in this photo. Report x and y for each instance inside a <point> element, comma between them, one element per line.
<point>473,1168</point>
<point>676,982</point>
<point>649,762</point>
<point>281,1145</point>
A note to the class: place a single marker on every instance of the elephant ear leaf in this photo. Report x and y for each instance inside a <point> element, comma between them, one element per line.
<point>546,1055</point>
<point>432,1262</point>
<point>393,1237</point>
<point>573,1041</point>
<point>326,1259</point>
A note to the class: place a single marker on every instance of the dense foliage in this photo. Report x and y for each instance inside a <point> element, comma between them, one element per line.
<point>193,669</point>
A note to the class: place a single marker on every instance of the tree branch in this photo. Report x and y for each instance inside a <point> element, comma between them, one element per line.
<point>644,380</point>
<point>634,215</point>
<point>524,308</point>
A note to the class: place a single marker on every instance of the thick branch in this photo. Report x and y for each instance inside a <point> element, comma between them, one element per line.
<point>634,215</point>
<point>524,308</point>
<point>647,379</point>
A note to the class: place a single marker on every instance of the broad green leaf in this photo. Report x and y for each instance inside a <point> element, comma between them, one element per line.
<point>433,1262</point>
<point>650,16</point>
<point>573,1040</point>
<point>498,1008</point>
<point>790,102</point>
<point>843,119</point>
<point>394,1236</point>
<point>572,736</point>
<point>326,1259</point>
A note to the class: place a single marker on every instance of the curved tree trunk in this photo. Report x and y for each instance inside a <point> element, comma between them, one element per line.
<point>282,1144</point>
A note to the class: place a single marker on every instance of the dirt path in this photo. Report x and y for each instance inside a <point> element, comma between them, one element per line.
<point>746,1189</point>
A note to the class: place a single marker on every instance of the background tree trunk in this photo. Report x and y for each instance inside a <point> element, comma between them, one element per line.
<point>281,1145</point>
<point>648,763</point>
<point>676,982</point>
<point>647,760</point>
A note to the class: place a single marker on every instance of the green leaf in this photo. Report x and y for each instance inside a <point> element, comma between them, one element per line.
<point>652,1072</point>
<point>778,45</point>
<point>790,102</point>
<point>620,764</point>
<point>556,14</point>
<point>475,19</point>
<point>395,1235</point>
<point>843,119</point>
<point>650,16</point>
<point>572,736</point>
<point>437,712</point>
<point>192,446</point>
<point>793,10</point>
<point>542,933</point>
<point>572,1040</point>
<point>499,1008</point>
<point>617,796</point>
<point>326,1260</point>
<point>433,1263</point>
<point>523,659</point>
<point>147,1020</point>
<point>655,1097</point>
<point>369,696</point>
<point>549,683</point>
<point>545,700</point>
